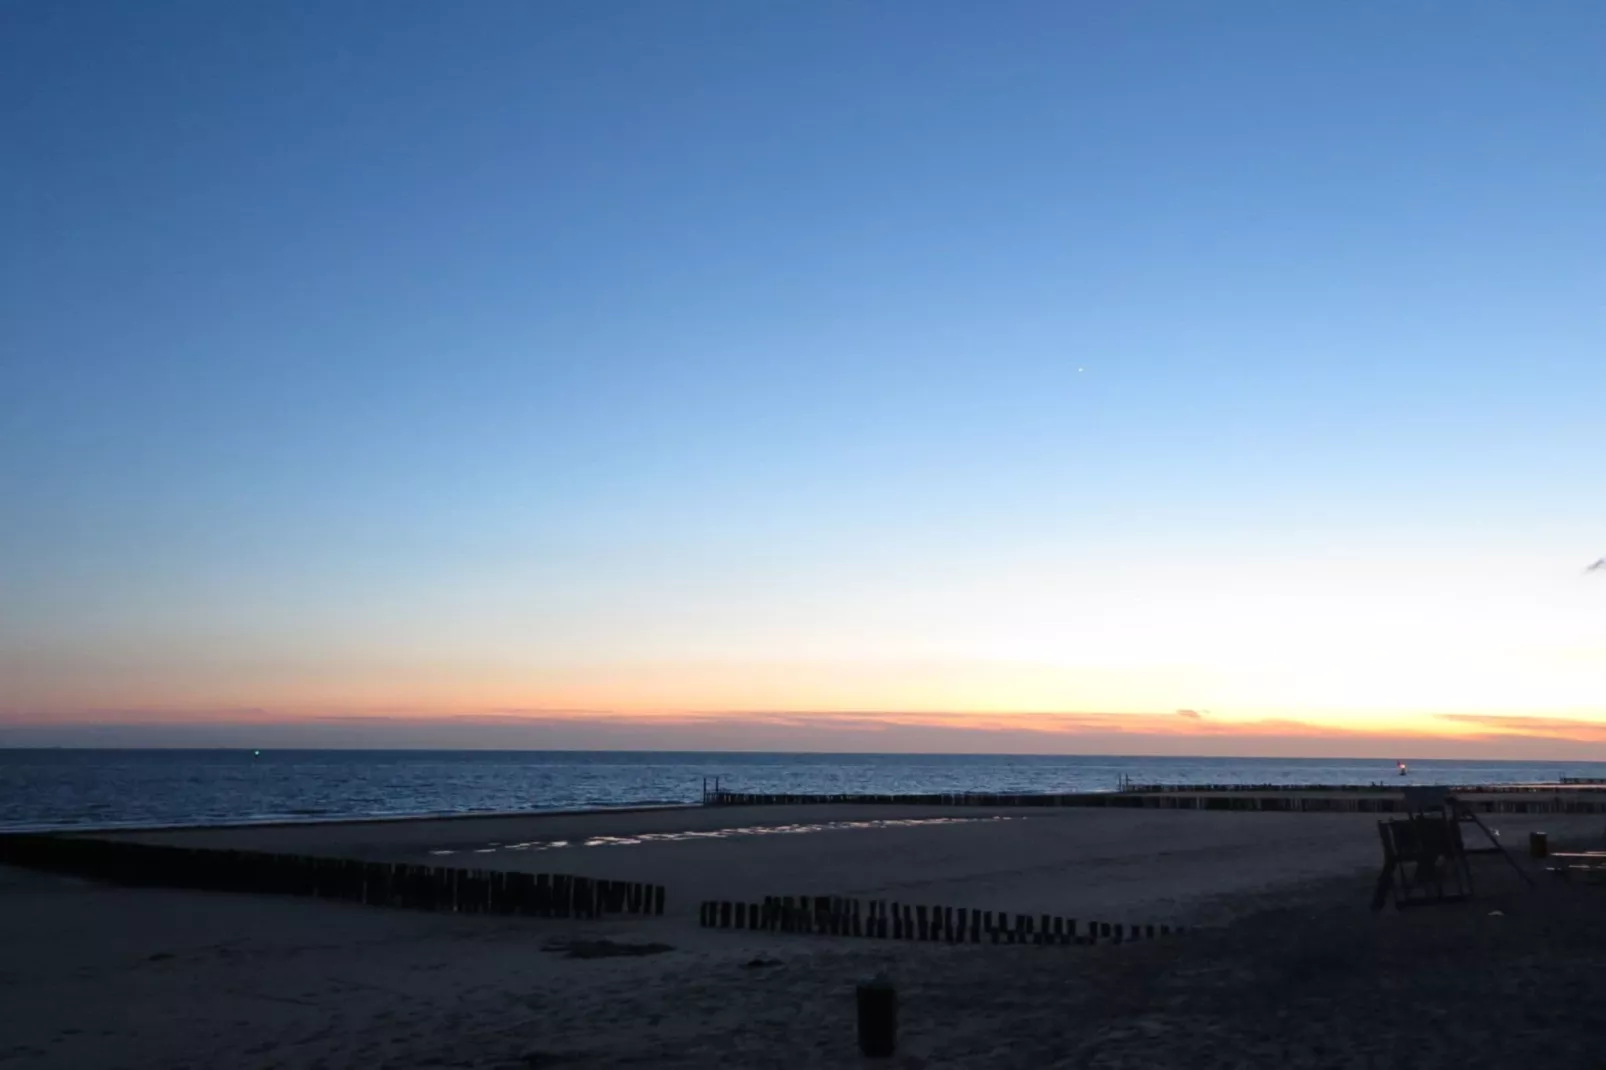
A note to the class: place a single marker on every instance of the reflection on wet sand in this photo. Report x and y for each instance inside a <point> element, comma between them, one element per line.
<point>717,834</point>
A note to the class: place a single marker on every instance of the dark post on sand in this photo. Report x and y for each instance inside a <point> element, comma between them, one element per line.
<point>878,1018</point>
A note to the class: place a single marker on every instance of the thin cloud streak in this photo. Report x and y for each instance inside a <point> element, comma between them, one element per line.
<point>1569,729</point>
<point>1175,733</point>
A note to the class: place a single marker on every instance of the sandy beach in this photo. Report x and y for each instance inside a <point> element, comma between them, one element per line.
<point>101,976</point>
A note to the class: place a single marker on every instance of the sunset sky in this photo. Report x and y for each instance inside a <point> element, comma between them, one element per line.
<point>1148,377</point>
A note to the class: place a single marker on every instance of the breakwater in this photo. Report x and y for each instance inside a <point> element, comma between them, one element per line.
<point>1495,799</point>
<point>393,884</point>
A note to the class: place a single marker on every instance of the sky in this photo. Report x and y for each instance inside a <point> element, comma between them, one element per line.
<point>1151,377</point>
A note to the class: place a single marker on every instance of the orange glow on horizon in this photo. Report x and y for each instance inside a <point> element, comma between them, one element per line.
<point>1178,725</point>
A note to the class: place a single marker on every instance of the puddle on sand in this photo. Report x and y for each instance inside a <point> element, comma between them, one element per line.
<point>725,834</point>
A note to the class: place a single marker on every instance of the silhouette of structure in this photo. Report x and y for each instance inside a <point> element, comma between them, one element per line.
<point>1424,855</point>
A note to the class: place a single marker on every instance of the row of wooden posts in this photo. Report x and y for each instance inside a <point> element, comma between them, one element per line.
<point>1287,800</point>
<point>988,799</point>
<point>1133,788</point>
<point>441,888</point>
<point>881,920</point>
<point>1474,801</point>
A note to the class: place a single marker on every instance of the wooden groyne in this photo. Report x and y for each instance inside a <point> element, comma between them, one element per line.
<point>1378,788</point>
<point>994,800</point>
<point>439,888</point>
<point>882,920</point>
<point>1328,799</point>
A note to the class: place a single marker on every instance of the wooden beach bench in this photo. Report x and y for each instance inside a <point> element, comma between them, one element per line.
<point>1589,865</point>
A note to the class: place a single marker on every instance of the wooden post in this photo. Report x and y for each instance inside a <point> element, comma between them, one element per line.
<point>585,897</point>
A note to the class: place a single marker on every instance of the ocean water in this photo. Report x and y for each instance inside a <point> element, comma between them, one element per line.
<point>58,788</point>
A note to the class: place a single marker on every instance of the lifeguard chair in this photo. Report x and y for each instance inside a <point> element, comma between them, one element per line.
<point>1424,856</point>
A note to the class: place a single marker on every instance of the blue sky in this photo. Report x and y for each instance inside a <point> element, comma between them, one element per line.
<point>644,356</point>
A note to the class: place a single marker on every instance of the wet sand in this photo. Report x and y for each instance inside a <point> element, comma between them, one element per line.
<point>1291,969</point>
<point>1144,866</point>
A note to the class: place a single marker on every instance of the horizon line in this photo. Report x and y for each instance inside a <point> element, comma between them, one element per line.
<point>1027,755</point>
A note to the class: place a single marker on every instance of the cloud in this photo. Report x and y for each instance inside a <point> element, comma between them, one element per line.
<point>1178,732</point>
<point>1576,729</point>
<point>1598,566</point>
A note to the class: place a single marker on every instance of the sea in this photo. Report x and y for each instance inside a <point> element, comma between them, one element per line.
<point>66,789</point>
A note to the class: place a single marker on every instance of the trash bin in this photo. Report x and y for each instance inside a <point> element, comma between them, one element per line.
<point>1538,845</point>
<point>878,1018</point>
